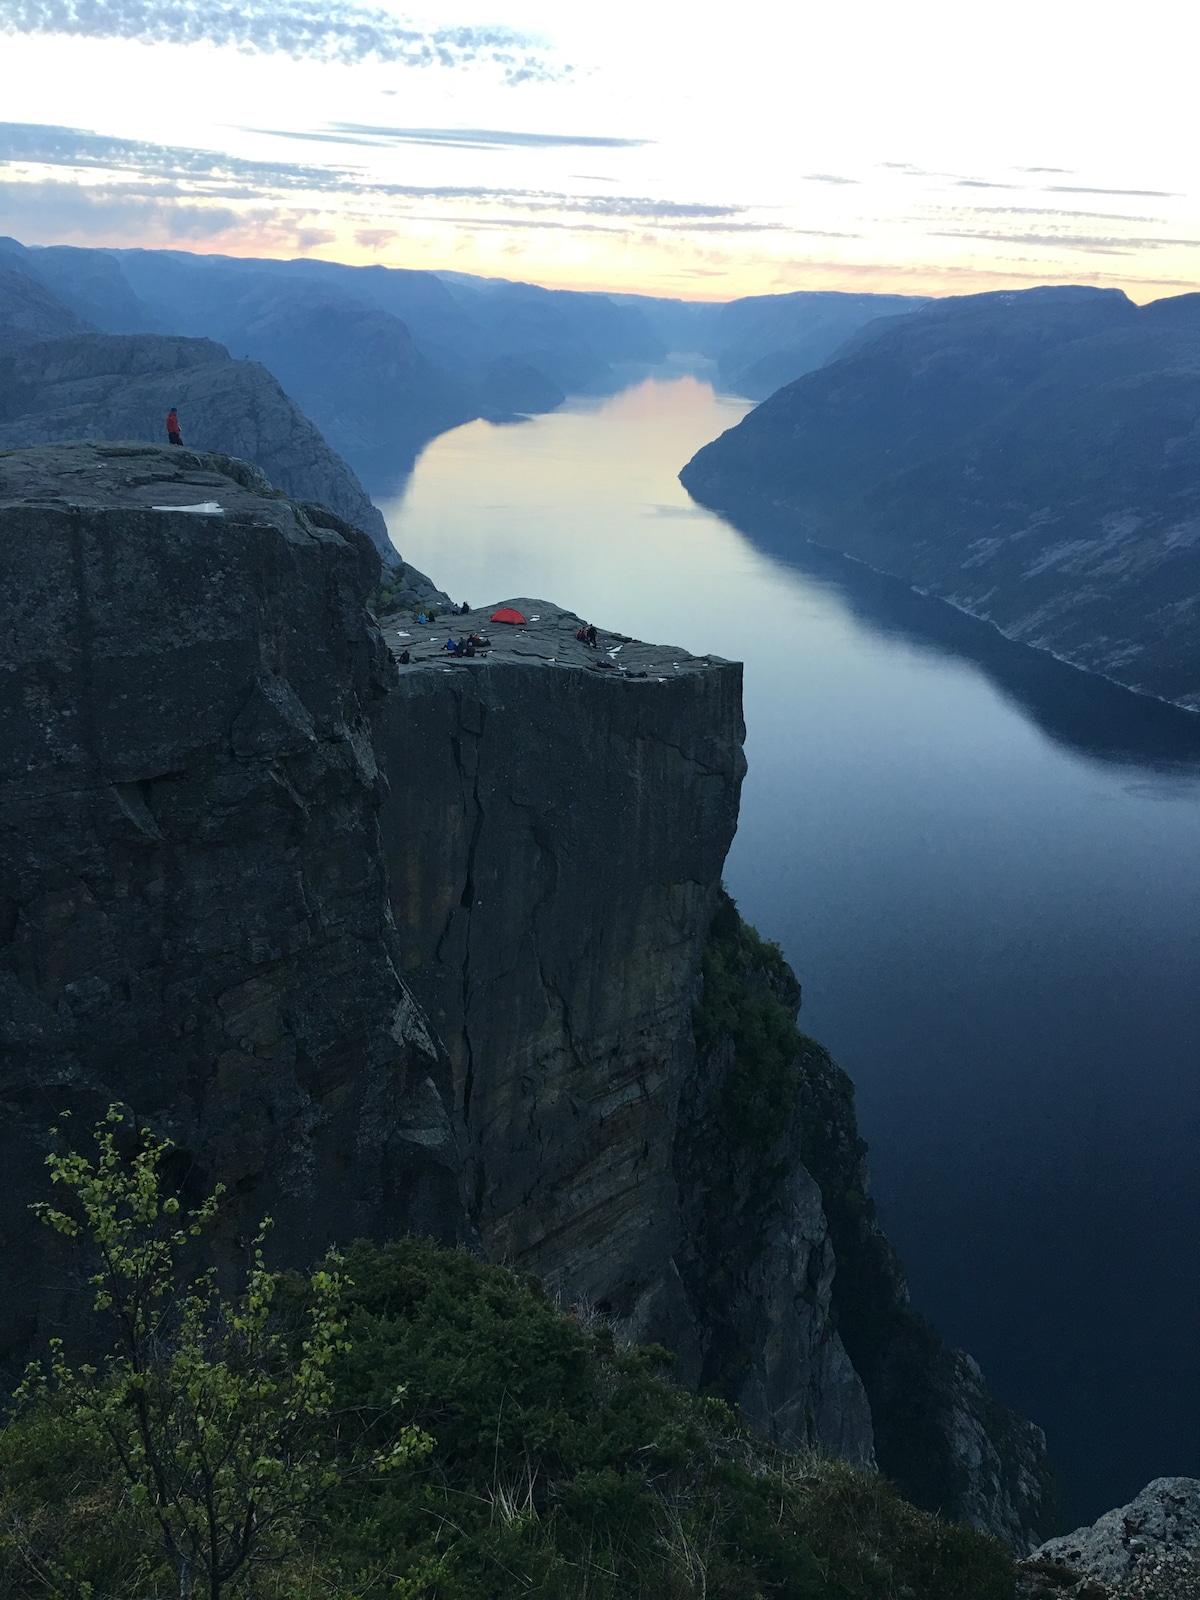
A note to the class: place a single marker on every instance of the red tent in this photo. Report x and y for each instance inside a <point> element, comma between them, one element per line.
<point>507,614</point>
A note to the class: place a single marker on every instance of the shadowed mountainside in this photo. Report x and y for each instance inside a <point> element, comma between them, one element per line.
<point>61,381</point>
<point>383,359</point>
<point>1033,457</point>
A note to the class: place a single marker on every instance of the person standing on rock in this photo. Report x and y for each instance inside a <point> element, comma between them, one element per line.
<point>173,434</point>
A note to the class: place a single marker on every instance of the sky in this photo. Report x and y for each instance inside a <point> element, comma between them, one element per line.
<point>638,145</point>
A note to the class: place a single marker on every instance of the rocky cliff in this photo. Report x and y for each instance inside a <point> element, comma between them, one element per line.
<point>437,947</point>
<point>98,386</point>
<point>646,1128</point>
<point>1034,458</point>
<point>555,829</point>
<point>194,916</point>
<point>801,1300</point>
<point>1146,1550</point>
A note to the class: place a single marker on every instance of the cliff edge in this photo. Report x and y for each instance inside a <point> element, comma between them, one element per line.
<point>437,947</point>
<point>194,916</point>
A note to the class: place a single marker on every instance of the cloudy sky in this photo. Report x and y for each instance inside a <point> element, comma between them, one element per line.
<point>650,145</point>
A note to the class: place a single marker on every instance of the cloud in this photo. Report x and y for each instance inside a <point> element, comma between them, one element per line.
<point>167,171</point>
<point>363,134</point>
<point>42,144</point>
<point>323,30</point>
<point>488,138</point>
<point>116,210</point>
<point>1110,245</point>
<point>826,177</point>
<point>1045,211</point>
<point>1148,194</point>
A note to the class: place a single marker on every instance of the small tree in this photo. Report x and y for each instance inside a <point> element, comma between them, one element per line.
<point>211,1411</point>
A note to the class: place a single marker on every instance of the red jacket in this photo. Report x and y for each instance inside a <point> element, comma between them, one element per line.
<point>172,422</point>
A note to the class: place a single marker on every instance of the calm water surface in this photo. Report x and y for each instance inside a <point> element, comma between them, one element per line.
<point>985,868</point>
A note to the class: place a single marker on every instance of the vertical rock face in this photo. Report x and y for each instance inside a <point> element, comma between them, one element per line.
<point>194,917</point>
<point>799,1296</point>
<point>756,1256</point>
<point>233,833</point>
<point>554,833</point>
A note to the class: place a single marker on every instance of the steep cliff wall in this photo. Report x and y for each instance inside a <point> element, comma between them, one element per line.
<point>555,830</point>
<point>193,915</point>
<point>241,849</point>
<point>795,1279</point>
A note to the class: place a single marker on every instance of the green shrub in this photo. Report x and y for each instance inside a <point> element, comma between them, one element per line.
<point>564,1466</point>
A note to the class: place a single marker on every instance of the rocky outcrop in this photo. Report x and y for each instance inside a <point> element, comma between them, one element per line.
<point>1033,458</point>
<point>194,916</point>
<point>98,386</point>
<point>1147,1550</point>
<point>554,831</point>
<point>437,947</point>
<point>555,828</point>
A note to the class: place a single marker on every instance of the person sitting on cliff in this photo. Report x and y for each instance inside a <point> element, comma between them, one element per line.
<point>404,657</point>
<point>589,636</point>
<point>468,648</point>
<point>174,436</point>
<point>450,644</point>
<point>463,609</point>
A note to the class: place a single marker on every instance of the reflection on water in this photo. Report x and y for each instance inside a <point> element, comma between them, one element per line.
<point>983,865</point>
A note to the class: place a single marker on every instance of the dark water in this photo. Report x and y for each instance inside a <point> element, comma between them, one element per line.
<point>985,868</point>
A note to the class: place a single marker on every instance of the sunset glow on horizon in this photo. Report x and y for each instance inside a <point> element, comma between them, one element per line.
<point>633,148</point>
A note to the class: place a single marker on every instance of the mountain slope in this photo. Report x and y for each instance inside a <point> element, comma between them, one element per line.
<point>1033,458</point>
<point>28,311</point>
<point>99,386</point>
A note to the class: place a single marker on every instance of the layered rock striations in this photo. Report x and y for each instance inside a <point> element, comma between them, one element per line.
<point>1033,457</point>
<point>555,829</point>
<point>193,910</point>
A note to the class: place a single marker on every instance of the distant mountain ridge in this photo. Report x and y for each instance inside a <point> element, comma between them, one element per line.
<point>384,359</point>
<point>1032,457</point>
<point>61,379</point>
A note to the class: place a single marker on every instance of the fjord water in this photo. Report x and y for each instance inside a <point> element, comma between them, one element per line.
<point>984,867</point>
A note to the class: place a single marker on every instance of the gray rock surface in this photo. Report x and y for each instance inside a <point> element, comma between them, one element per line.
<point>1147,1550</point>
<point>555,828</point>
<point>100,386</point>
<point>757,1263</point>
<point>193,912</point>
